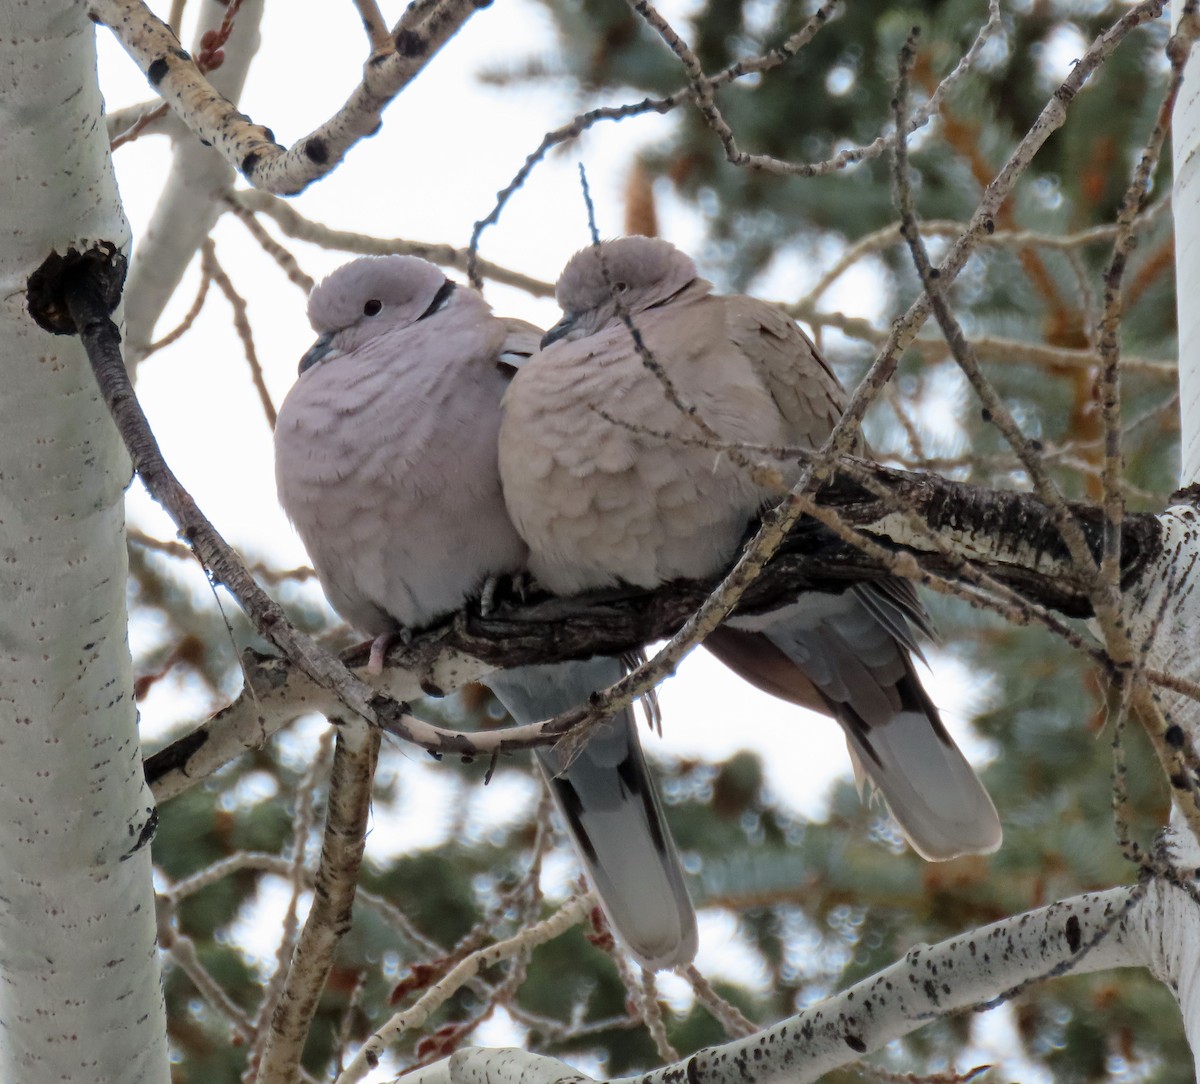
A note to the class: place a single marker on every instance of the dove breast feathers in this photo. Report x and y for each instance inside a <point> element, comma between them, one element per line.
<point>637,496</point>
<point>386,461</point>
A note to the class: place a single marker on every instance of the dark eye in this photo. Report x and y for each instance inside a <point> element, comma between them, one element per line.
<point>372,308</point>
<point>620,287</point>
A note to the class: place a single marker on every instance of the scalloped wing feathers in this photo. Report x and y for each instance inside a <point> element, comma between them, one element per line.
<point>609,481</point>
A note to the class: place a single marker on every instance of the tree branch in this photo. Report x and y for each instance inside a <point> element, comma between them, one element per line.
<point>294,224</point>
<point>1010,536</point>
<point>1087,933</point>
<point>250,148</point>
<point>571,912</point>
<point>346,818</point>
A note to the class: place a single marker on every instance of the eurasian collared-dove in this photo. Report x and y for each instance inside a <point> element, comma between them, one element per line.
<point>385,460</point>
<point>603,495</point>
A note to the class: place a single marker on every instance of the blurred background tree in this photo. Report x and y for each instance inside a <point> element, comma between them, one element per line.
<point>816,905</point>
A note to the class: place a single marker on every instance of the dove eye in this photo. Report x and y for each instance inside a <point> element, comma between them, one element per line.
<point>372,308</point>
<point>620,287</point>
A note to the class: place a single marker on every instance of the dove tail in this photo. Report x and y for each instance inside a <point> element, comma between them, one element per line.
<point>852,652</point>
<point>932,791</point>
<point>612,810</point>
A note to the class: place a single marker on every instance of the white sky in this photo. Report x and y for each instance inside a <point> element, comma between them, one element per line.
<point>446,147</point>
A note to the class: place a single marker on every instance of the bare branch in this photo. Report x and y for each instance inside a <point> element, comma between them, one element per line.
<point>375,26</point>
<point>889,236</point>
<point>575,128</point>
<point>1108,344</point>
<point>1086,933</point>
<point>1009,536</point>
<point>571,912</point>
<point>241,322</point>
<point>653,1016</point>
<point>286,261</point>
<point>181,553</point>
<point>767,61</point>
<point>302,823</point>
<point>728,1015</point>
<point>285,867</point>
<point>996,410</point>
<point>250,148</point>
<point>184,325</point>
<point>347,812</point>
<point>295,225</point>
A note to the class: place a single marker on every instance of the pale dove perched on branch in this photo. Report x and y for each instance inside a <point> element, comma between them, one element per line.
<point>609,500</point>
<point>385,460</point>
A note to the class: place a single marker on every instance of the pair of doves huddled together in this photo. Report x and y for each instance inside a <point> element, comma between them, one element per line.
<point>416,465</point>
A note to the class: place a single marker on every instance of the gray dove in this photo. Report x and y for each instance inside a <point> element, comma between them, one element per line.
<point>386,463</point>
<point>609,483</point>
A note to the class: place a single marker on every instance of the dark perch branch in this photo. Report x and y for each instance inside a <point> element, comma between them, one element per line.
<point>545,629</point>
<point>1015,526</point>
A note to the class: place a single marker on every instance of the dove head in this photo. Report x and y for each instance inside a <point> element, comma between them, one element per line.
<point>641,272</point>
<point>370,297</point>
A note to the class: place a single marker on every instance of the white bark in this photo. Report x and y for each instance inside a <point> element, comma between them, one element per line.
<point>276,694</point>
<point>1160,610</point>
<point>251,148</point>
<point>80,997</point>
<point>190,203</point>
<point>1185,144</point>
<point>1093,932</point>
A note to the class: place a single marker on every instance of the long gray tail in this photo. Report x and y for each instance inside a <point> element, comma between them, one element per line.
<point>853,653</point>
<point>612,810</point>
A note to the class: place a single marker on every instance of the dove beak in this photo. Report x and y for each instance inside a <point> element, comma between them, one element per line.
<point>319,351</point>
<point>564,329</point>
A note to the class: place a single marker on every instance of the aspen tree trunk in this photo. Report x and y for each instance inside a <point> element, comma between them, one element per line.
<point>80,992</point>
<point>1185,145</point>
<point>1179,640</point>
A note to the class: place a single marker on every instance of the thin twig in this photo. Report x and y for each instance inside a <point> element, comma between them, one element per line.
<point>181,552</point>
<point>653,1016</point>
<point>296,225</point>
<point>1108,344</point>
<point>241,322</point>
<point>140,125</point>
<point>184,325</point>
<point>888,236</point>
<point>182,951</point>
<point>284,867</point>
<point>580,124</point>
<point>703,93</point>
<point>728,1015</point>
<point>767,61</point>
<point>286,261</point>
<point>375,26</point>
<point>995,409</point>
<point>571,912</point>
